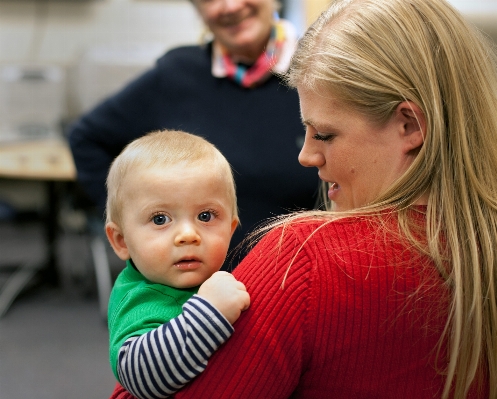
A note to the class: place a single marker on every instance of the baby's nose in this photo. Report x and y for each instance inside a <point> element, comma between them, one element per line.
<point>187,235</point>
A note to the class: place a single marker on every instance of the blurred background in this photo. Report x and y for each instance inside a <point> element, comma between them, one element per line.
<point>58,58</point>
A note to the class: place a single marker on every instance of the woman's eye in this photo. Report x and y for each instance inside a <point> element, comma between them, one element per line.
<point>206,216</point>
<point>160,219</point>
<point>323,137</point>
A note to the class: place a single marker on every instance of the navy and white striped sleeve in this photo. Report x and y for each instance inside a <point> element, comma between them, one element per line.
<point>159,363</point>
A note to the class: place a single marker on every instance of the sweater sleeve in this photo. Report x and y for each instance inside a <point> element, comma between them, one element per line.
<point>160,362</point>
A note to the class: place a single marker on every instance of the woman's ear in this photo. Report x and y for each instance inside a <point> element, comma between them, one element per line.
<point>413,125</point>
<point>116,240</point>
<point>234,225</point>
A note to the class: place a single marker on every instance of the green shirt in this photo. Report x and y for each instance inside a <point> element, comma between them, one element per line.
<point>137,306</point>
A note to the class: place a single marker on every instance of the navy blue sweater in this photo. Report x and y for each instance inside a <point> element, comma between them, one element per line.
<point>258,130</point>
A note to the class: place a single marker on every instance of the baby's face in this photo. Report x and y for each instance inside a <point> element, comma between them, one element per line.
<point>177,223</point>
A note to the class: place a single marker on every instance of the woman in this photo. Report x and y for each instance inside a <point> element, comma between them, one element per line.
<point>392,294</point>
<point>227,91</point>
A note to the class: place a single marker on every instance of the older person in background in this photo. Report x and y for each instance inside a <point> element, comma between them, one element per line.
<point>228,91</point>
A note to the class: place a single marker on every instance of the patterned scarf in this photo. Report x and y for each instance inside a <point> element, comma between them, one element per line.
<point>276,58</point>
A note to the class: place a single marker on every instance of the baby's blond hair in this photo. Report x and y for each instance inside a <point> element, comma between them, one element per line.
<point>164,148</point>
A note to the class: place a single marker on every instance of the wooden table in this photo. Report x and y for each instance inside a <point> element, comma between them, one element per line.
<point>50,161</point>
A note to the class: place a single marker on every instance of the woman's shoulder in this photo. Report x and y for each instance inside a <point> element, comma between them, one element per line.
<point>298,248</point>
<point>308,222</point>
<point>311,236</point>
<point>302,227</point>
<point>314,233</point>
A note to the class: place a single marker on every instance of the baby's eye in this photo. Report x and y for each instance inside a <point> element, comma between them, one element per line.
<point>206,216</point>
<point>161,219</point>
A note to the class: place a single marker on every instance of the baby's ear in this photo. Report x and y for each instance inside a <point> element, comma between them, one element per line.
<point>116,240</point>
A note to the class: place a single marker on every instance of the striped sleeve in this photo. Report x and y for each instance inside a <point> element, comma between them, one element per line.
<point>159,363</point>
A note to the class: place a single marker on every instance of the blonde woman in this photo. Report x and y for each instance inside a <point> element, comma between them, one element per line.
<point>392,292</point>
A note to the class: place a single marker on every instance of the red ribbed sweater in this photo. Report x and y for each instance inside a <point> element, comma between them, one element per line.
<point>359,316</point>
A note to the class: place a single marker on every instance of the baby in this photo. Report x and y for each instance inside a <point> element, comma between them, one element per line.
<point>171,212</point>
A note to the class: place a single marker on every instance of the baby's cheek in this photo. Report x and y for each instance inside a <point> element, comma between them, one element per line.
<point>218,255</point>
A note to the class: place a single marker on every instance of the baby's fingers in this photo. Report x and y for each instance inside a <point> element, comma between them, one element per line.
<point>245,300</point>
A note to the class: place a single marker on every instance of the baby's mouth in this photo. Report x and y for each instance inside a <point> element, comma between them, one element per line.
<point>187,263</point>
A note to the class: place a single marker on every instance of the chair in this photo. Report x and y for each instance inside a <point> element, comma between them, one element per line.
<point>100,256</point>
<point>23,256</point>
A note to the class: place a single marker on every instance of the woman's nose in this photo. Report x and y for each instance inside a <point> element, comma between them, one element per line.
<point>310,155</point>
<point>187,235</point>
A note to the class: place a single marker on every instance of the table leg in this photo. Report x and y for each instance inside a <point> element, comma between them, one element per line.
<point>51,273</point>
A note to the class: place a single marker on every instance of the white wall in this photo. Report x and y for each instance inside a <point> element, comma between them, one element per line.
<point>57,32</point>
<point>475,6</point>
<point>482,13</point>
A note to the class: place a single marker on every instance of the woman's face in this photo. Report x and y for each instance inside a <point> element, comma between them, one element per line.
<point>358,158</point>
<point>242,26</point>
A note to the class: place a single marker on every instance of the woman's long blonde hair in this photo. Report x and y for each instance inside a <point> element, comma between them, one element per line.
<point>374,54</point>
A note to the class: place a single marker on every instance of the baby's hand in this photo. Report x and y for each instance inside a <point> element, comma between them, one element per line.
<point>227,294</point>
